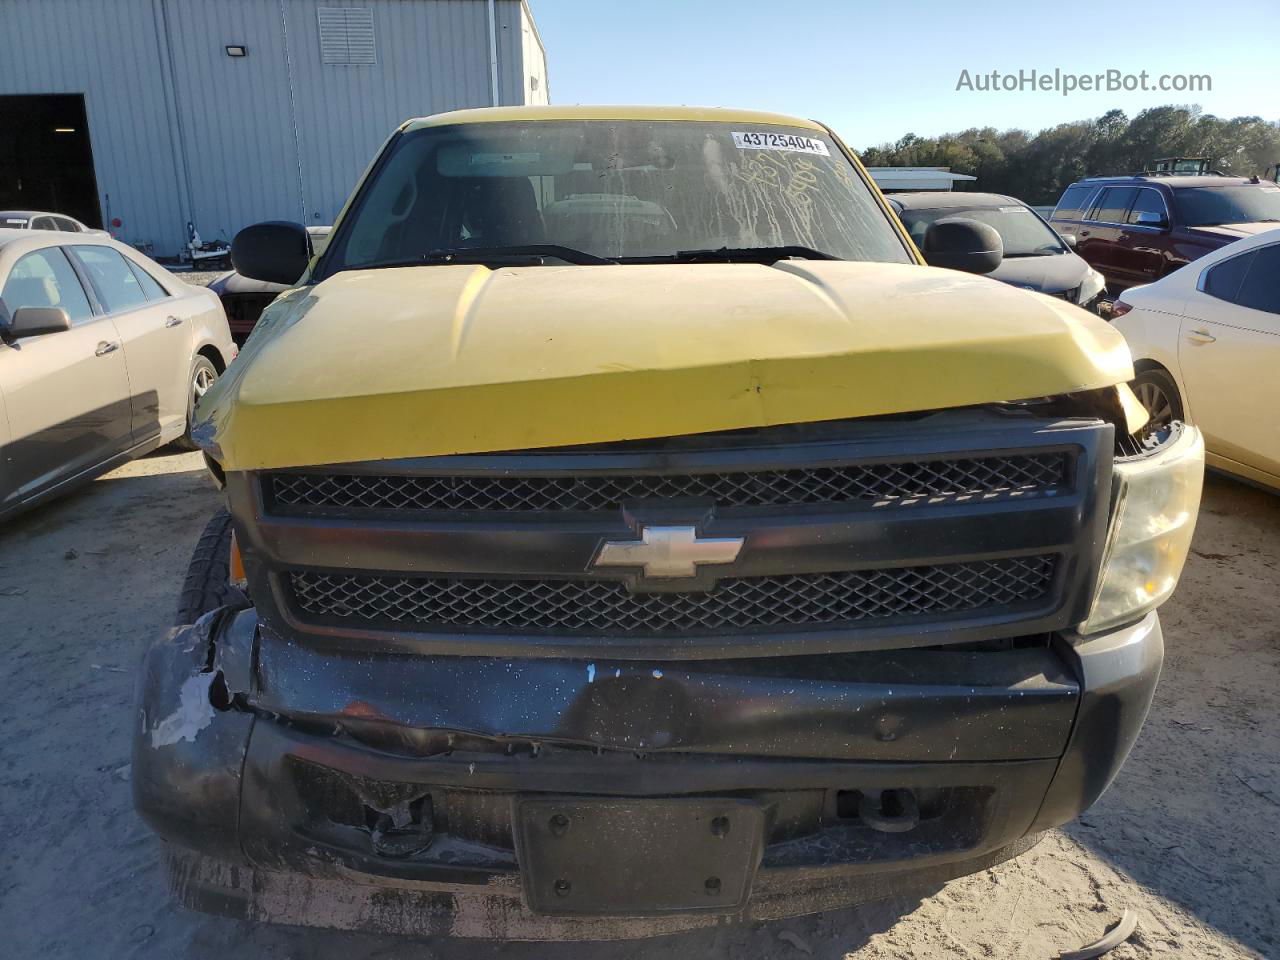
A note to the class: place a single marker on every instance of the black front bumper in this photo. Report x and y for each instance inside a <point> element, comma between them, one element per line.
<point>382,791</point>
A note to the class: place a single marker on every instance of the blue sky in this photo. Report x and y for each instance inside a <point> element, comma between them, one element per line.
<point>877,70</point>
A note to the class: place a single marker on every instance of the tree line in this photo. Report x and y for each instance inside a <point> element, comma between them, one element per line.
<point>1037,168</point>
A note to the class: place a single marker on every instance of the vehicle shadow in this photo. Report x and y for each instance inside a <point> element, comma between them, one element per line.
<point>1194,816</point>
<point>162,474</point>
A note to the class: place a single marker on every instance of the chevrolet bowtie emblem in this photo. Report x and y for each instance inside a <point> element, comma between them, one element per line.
<point>668,551</point>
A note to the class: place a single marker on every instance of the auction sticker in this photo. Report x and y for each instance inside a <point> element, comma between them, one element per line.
<point>780,141</point>
<point>478,159</point>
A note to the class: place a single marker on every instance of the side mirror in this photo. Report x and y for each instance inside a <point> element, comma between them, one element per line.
<point>274,252</point>
<point>959,243</point>
<point>1149,218</point>
<point>1069,239</point>
<point>34,321</point>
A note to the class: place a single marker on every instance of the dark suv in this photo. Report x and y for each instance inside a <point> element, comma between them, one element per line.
<point>1136,229</point>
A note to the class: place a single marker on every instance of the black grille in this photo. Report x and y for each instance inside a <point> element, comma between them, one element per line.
<point>807,485</point>
<point>606,607</point>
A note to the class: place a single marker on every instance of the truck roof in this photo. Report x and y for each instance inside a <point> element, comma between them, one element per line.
<point>604,112</point>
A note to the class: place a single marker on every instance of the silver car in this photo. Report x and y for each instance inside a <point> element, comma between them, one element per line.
<point>103,354</point>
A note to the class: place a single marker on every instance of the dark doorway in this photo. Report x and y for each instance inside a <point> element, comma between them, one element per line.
<point>46,162</point>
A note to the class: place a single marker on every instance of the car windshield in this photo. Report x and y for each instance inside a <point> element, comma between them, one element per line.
<point>600,191</point>
<point>1024,234</point>
<point>1244,203</point>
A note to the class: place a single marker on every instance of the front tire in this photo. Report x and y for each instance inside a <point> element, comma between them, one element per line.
<point>203,374</point>
<point>1157,391</point>
<point>208,583</point>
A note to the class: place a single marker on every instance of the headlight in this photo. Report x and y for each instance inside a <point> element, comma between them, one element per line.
<point>1093,285</point>
<point>1157,499</point>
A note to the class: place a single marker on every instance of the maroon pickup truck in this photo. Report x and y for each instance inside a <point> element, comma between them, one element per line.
<point>1134,230</point>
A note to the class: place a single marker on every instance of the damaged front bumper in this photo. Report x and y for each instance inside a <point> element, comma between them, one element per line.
<point>565,798</point>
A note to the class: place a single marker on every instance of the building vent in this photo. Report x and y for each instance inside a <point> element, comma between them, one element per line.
<point>346,35</point>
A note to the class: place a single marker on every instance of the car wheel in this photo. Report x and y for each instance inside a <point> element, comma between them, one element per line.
<point>203,374</point>
<point>1157,392</point>
<point>208,583</point>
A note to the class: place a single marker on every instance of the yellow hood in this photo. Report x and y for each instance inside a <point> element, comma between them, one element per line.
<point>428,360</point>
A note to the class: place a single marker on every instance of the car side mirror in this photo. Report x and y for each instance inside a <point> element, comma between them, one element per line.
<point>274,252</point>
<point>1149,218</point>
<point>35,321</point>
<point>1069,239</point>
<point>959,243</point>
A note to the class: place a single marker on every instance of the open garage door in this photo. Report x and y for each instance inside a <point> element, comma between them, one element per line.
<point>46,162</point>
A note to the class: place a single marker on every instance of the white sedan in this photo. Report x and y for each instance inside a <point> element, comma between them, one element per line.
<point>1206,348</point>
<point>43,220</point>
<point>102,356</point>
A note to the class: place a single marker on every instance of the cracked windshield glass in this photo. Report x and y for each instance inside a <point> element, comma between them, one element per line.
<point>627,190</point>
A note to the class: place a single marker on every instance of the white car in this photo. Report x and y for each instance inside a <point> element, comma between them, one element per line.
<point>103,354</point>
<point>1206,348</point>
<point>44,220</point>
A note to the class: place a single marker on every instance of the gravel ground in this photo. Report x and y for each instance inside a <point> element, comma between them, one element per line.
<point>1189,837</point>
<point>198,279</point>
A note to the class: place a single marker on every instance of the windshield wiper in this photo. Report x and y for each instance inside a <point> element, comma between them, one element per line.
<point>525,255</point>
<point>532,254</point>
<point>517,253</point>
<point>762,254</point>
<point>752,254</point>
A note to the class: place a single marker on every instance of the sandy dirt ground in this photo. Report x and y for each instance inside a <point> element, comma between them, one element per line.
<point>1188,837</point>
<point>199,278</point>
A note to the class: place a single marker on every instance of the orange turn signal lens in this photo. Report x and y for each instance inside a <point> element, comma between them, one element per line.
<point>235,565</point>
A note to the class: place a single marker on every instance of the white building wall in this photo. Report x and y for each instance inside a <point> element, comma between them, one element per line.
<point>110,53</point>
<point>181,131</point>
<point>536,85</point>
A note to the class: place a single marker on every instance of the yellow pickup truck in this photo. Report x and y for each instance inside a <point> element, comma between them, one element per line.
<point>629,531</point>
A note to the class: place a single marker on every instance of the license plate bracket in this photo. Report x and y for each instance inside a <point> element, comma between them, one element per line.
<point>629,857</point>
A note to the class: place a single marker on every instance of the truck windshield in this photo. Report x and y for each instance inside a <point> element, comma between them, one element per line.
<point>631,190</point>
<point>1024,234</point>
<point>1210,206</point>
